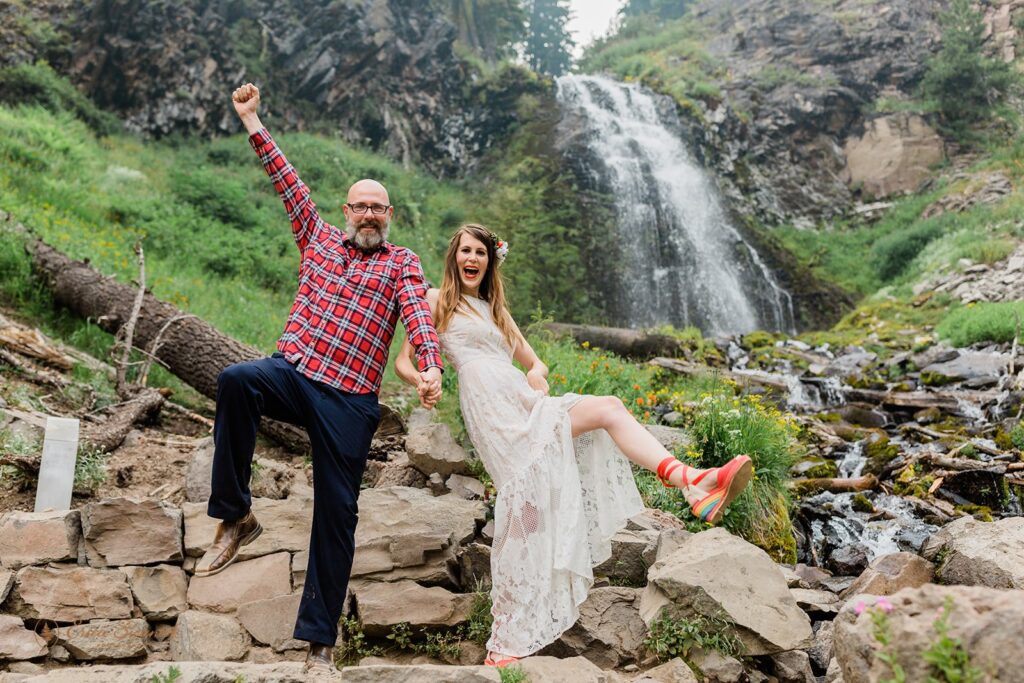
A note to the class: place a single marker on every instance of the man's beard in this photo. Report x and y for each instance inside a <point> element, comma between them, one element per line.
<point>367,241</point>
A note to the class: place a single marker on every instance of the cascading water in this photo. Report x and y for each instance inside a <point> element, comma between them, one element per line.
<point>680,259</point>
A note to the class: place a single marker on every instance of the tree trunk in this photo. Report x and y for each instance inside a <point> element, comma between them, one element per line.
<point>191,348</point>
<point>622,341</point>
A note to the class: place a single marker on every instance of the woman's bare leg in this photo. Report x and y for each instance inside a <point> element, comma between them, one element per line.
<point>638,444</point>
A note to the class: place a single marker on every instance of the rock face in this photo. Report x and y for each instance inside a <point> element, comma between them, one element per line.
<point>892,155</point>
<point>974,553</point>
<point>714,573</point>
<point>382,73</point>
<point>988,622</point>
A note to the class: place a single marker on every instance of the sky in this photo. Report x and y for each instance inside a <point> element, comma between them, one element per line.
<point>591,19</point>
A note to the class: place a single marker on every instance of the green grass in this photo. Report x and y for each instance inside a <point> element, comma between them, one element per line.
<point>982,322</point>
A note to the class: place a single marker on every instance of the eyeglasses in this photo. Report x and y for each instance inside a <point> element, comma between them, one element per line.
<point>376,209</point>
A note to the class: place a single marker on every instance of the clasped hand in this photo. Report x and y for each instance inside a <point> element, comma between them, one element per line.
<point>429,387</point>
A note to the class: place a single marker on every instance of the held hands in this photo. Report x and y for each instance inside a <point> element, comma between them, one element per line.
<point>429,387</point>
<point>537,380</point>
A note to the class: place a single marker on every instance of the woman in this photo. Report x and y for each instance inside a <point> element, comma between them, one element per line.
<point>564,487</point>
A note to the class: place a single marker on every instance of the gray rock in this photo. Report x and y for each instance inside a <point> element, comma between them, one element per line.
<point>200,636</point>
<point>200,468</point>
<point>974,553</point>
<point>432,449</point>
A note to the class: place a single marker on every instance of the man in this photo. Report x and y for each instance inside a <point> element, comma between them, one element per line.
<point>353,285</point>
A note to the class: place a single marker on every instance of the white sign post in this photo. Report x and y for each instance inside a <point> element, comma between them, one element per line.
<point>57,469</point>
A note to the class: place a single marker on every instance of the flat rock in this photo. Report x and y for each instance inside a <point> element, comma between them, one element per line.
<point>264,577</point>
<point>575,669</point>
<point>973,553</point>
<point>987,621</point>
<point>18,642</point>
<point>190,672</point>
<point>160,591</point>
<point>715,572</point>
<point>383,605</point>
<point>69,593</point>
<point>28,538</point>
<point>891,573</point>
<point>286,524</point>
<point>672,671</point>
<point>105,640</point>
<point>272,621</point>
<point>421,673</point>
<point>120,531</point>
<point>406,533</point>
<point>201,636</point>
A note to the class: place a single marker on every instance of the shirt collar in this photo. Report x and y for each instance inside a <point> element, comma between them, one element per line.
<point>384,248</point>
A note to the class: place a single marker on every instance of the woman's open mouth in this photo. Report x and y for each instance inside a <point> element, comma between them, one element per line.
<point>470,272</point>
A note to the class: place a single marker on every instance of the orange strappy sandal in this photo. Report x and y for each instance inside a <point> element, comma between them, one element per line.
<point>500,663</point>
<point>733,477</point>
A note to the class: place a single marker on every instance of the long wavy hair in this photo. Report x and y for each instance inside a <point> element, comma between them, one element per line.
<point>492,290</point>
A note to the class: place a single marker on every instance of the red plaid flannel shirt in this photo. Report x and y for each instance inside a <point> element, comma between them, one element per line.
<point>344,315</point>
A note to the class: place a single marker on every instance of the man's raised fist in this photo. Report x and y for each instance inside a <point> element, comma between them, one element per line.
<point>246,99</point>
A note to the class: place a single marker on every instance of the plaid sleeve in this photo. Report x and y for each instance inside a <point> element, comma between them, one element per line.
<point>306,221</point>
<point>415,312</point>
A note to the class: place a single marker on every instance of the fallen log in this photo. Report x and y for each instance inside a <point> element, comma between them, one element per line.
<point>808,486</point>
<point>190,348</point>
<point>955,403</point>
<point>622,341</point>
<point>961,464</point>
<point>108,435</point>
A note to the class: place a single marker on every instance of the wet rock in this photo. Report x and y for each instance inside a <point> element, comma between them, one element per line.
<point>864,415</point>
<point>105,640</point>
<point>18,642</point>
<point>974,553</point>
<point>978,487</point>
<point>988,622</point>
<point>432,449</point>
<point>969,365</point>
<point>119,531</point>
<point>159,591</point>
<point>609,632</point>
<point>28,538</point>
<point>713,571</point>
<point>201,636</point>
<point>264,577</point>
<point>849,560</point>
<point>69,593</point>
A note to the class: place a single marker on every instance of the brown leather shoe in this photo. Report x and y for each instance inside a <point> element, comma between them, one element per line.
<point>320,660</point>
<point>230,538</point>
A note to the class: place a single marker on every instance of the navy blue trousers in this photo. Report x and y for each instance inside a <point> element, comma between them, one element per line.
<point>340,427</point>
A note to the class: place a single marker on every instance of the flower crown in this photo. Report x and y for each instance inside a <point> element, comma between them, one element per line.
<point>500,248</point>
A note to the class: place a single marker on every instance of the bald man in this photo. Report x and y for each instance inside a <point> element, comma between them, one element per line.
<point>353,287</point>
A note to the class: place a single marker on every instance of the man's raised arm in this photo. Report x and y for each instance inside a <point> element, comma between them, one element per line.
<point>306,221</point>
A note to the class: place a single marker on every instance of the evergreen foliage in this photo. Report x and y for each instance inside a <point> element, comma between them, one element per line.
<point>663,9</point>
<point>548,43</point>
<point>963,82</point>
<point>490,27</point>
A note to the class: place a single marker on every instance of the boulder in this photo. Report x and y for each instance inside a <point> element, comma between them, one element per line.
<point>893,154</point>
<point>406,533</point>
<point>120,531</point>
<point>576,669</point>
<point>264,577</point>
<point>105,640</point>
<point>465,487</point>
<point>286,525</point>
<point>717,574</point>
<point>272,621</point>
<point>628,563</point>
<point>160,591</point>
<point>793,666</point>
<point>969,366</point>
<point>18,642</point>
<point>974,553</point>
<point>189,672</point>
<point>432,449</point>
<point>672,671</point>
<point>891,573</point>
<point>201,636</point>
<point>69,593</point>
<point>28,538</point>
<point>609,632</point>
<point>987,621</point>
<point>383,605</point>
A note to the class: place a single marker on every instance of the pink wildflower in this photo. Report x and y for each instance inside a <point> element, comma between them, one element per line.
<point>884,605</point>
<point>859,608</point>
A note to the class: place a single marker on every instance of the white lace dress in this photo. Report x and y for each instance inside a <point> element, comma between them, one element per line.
<point>560,500</point>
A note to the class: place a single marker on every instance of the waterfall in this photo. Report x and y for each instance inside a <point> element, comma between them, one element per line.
<point>678,258</point>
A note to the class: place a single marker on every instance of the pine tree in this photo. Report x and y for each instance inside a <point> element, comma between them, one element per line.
<point>548,43</point>
<point>491,27</point>
<point>962,81</point>
<point>663,9</point>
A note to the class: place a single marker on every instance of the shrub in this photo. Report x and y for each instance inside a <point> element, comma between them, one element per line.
<point>894,252</point>
<point>674,637</point>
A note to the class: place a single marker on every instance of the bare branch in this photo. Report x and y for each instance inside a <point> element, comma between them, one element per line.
<point>155,346</point>
<point>129,328</point>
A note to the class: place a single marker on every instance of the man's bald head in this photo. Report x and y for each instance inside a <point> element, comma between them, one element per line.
<point>368,191</point>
